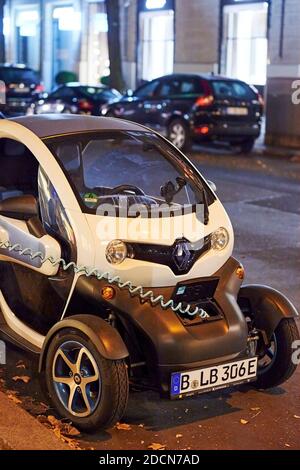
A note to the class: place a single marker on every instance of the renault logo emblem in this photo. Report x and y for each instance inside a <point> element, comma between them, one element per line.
<point>182,255</point>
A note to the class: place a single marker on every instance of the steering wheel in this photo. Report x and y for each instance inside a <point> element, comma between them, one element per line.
<point>123,188</point>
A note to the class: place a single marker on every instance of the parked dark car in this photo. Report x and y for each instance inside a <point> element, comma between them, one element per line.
<point>22,86</point>
<point>74,98</point>
<point>188,108</point>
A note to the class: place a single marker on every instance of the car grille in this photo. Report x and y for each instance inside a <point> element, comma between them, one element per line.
<point>170,255</point>
<point>198,294</point>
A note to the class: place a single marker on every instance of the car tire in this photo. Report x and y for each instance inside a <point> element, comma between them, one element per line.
<point>244,147</point>
<point>178,134</point>
<point>281,366</point>
<point>93,393</point>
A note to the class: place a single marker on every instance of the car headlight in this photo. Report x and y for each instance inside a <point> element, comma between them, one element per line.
<point>104,110</point>
<point>219,239</point>
<point>116,252</point>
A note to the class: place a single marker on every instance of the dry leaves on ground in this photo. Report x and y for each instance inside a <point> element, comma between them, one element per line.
<point>296,416</point>
<point>64,431</point>
<point>21,365</point>
<point>22,378</point>
<point>123,427</point>
<point>12,396</point>
<point>156,446</point>
<point>178,436</point>
<point>244,421</point>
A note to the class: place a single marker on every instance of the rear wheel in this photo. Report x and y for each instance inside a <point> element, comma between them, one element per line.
<point>85,387</point>
<point>275,364</point>
<point>244,147</point>
<point>178,134</point>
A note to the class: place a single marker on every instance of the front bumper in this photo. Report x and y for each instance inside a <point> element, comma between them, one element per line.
<point>165,341</point>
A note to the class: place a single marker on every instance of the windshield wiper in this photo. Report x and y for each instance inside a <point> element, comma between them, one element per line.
<point>168,190</point>
<point>205,204</point>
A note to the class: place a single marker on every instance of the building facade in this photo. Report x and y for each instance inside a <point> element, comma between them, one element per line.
<point>254,40</point>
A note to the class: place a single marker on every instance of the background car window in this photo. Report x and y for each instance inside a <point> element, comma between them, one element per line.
<point>181,88</point>
<point>148,90</point>
<point>99,93</point>
<point>11,75</point>
<point>232,89</point>
<point>62,93</point>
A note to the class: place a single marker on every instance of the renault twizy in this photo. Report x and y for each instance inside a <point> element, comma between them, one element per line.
<point>116,267</point>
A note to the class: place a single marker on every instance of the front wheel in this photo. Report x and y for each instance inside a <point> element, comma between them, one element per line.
<point>178,134</point>
<point>275,364</point>
<point>85,387</point>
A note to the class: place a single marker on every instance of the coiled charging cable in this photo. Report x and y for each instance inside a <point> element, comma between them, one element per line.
<point>116,280</point>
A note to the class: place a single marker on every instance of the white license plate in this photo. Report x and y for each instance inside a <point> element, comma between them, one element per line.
<point>212,378</point>
<point>231,111</point>
<point>21,90</point>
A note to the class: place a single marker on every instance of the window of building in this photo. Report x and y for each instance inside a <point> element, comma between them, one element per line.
<point>27,37</point>
<point>156,46</point>
<point>66,25</point>
<point>245,43</point>
<point>98,59</point>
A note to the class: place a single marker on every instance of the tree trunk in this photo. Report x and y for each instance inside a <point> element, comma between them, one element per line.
<point>114,45</point>
<point>2,45</point>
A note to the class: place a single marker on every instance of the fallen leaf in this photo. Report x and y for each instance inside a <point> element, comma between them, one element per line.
<point>13,398</point>
<point>287,445</point>
<point>22,378</point>
<point>141,425</point>
<point>156,446</point>
<point>20,365</point>
<point>142,442</point>
<point>255,408</point>
<point>53,421</point>
<point>178,436</point>
<point>69,430</point>
<point>296,416</point>
<point>123,427</point>
<point>244,421</point>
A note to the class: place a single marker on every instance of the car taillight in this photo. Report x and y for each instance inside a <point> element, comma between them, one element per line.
<point>205,100</point>
<point>261,100</point>
<point>85,105</point>
<point>39,88</point>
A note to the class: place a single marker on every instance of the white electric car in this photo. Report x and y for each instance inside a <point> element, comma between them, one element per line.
<point>116,266</point>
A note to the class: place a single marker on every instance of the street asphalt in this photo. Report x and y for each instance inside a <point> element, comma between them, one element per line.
<point>262,198</point>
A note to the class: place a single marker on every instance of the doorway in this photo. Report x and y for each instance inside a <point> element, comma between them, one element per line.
<point>244,51</point>
<point>156,45</point>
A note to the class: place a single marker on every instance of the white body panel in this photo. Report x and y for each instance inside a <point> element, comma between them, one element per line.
<point>156,275</point>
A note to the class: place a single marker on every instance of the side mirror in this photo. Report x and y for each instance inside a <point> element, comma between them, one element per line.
<point>19,207</point>
<point>212,186</point>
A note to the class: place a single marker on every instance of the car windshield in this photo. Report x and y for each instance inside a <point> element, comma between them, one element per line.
<point>11,75</point>
<point>232,89</point>
<point>131,168</point>
<point>99,92</point>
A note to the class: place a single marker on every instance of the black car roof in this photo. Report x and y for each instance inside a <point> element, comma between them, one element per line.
<point>47,125</point>
<point>204,76</point>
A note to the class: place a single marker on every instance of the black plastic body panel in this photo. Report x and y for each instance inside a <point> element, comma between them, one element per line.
<point>105,337</point>
<point>266,306</point>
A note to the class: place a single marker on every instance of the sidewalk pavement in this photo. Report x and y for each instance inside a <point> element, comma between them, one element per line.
<point>279,152</point>
<point>20,431</point>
